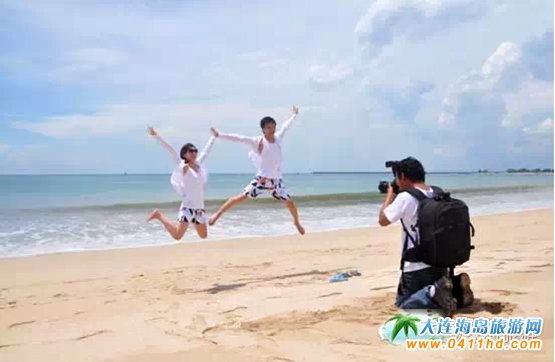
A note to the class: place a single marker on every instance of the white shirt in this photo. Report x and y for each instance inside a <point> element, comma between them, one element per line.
<point>269,163</point>
<point>190,186</point>
<point>405,208</point>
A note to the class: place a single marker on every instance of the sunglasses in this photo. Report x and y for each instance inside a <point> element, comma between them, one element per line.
<point>193,150</point>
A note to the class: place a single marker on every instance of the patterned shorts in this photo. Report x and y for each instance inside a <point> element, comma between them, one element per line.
<point>195,216</point>
<point>260,185</point>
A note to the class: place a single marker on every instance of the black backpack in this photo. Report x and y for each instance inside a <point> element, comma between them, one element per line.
<point>444,231</point>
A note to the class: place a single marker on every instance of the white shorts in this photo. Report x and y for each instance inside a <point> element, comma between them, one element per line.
<point>195,216</point>
<point>261,185</point>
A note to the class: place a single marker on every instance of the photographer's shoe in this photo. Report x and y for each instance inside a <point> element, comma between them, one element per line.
<point>462,291</point>
<point>443,296</point>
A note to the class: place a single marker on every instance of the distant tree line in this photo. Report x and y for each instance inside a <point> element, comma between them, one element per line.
<point>522,170</point>
<point>536,170</point>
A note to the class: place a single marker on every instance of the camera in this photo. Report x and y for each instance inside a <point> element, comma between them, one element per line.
<point>383,185</point>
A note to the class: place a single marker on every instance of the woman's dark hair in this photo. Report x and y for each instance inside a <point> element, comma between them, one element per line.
<point>186,148</point>
<point>412,169</point>
<point>264,121</point>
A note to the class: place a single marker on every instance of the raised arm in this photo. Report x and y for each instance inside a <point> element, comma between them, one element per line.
<point>206,150</point>
<point>250,141</point>
<point>164,144</point>
<point>288,122</point>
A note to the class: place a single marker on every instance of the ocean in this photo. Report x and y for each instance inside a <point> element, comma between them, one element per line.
<point>50,214</point>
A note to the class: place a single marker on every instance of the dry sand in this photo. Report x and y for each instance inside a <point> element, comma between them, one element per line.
<point>265,299</point>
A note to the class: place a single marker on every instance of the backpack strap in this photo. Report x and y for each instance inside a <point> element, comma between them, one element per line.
<point>415,193</point>
<point>407,255</point>
<point>405,245</point>
<point>419,195</point>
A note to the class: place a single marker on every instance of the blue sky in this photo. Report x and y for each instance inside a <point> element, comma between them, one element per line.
<point>460,84</point>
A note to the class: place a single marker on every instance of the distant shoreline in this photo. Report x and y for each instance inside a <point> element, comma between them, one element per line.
<point>297,173</point>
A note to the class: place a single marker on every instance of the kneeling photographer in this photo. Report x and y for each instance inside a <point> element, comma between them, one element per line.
<point>430,251</point>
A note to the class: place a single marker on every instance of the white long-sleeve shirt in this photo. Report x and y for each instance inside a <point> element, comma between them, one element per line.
<point>190,186</point>
<point>269,163</point>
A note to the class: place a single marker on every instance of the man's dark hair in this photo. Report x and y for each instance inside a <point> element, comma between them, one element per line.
<point>412,169</point>
<point>264,121</point>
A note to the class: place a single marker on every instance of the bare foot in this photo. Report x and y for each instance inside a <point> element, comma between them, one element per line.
<point>154,215</point>
<point>213,220</point>
<point>300,228</point>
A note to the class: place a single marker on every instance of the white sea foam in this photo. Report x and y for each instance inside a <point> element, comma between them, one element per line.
<point>42,232</point>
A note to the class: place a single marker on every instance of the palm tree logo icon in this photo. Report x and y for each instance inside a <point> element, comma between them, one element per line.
<point>402,323</point>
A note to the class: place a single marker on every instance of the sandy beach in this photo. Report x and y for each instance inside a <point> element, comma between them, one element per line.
<point>261,299</point>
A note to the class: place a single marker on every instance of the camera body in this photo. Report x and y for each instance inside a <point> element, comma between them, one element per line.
<point>394,165</point>
<point>395,168</point>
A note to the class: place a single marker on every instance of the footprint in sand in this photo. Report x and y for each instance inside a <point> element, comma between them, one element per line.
<point>20,324</point>
<point>329,295</point>
<point>92,334</point>
<point>179,291</point>
<point>506,293</point>
<point>490,307</point>
<point>233,310</point>
<point>8,345</point>
<point>382,288</point>
<point>199,320</point>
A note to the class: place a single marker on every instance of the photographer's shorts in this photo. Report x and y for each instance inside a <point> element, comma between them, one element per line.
<point>261,185</point>
<point>412,282</point>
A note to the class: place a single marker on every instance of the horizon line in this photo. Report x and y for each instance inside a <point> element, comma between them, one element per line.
<point>287,173</point>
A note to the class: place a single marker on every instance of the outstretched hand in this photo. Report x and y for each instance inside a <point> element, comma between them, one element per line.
<point>215,132</point>
<point>295,110</point>
<point>152,131</point>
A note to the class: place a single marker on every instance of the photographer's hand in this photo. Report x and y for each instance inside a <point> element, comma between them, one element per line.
<point>389,197</point>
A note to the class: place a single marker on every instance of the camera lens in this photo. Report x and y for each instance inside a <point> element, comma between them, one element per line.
<point>383,185</point>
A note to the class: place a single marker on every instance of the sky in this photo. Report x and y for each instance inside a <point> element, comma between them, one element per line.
<point>460,84</point>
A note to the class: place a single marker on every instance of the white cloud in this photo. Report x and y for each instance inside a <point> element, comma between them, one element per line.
<point>110,120</point>
<point>447,151</point>
<point>59,158</point>
<point>253,56</point>
<point>506,55</point>
<point>532,97</point>
<point>86,62</point>
<point>404,100</point>
<point>539,56</point>
<point>148,60</point>
<point>262,59</point>
<point>503,60</point>
<point>272,63</point>
<point>387,20</point>
<point>543,128</point>
<point>97,57</point>
<point>93,19</point>
<point>506,81</point>
<point>326,77</point>
<point>493,111</point>
<point>175,120</point>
